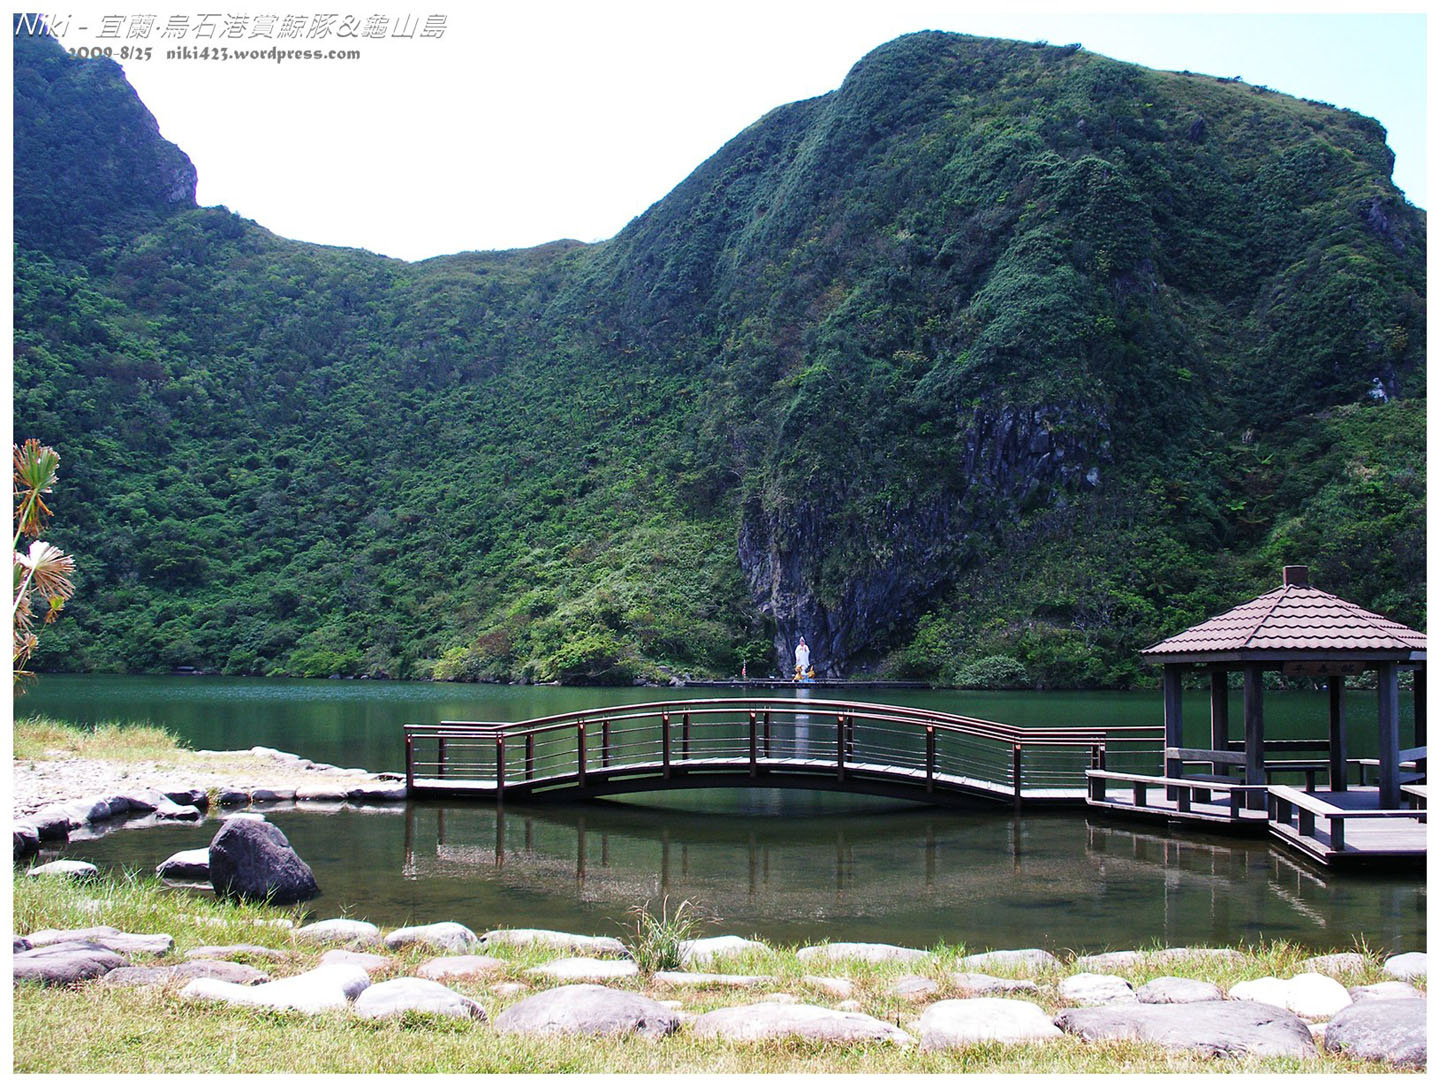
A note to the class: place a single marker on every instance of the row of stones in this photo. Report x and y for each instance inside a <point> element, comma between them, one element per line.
<point>1385,1023</point>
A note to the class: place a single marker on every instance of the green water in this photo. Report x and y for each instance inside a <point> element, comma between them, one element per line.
<point>786,866</point>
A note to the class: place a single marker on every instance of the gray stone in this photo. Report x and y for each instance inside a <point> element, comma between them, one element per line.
<point>694,979</point>
<point>122,943</point>
<point>984,984</point>
<point>587,1009</point>
<point>1168,990</point>
<point>190,798</point>
<point>66,963</point>
<point>321,989</point>
<point>20,944</point>
<point>340,930</point>
<point>1200,954</point>
<point>914,988</point>
<point>1110,960</point>
<point>233,798</point>
<point>1380,1030</point>
<point>136,976</point>
<point>143,800</point>
<point>171,812</point>
<point>70,869</point>
<point>1096,989</point>
<point>254,860</point>
<point>766,1021</point>
<point>272,796</point>
<point>1030,958</point>
<point>461,967</point>
<point>952,1023</point>
<point>27,840</point>
<point>838,952</point>
<point>118,805</point>
<point>376,794</point>
<point>92,809</point>
<point>1385,990</point>
<point>704,951</point>
<point>1407,966</point>
<point>586,969</point>
<point>363,959</point>
<point>558,941</point>
<point>388,998</point>
<point>442,936</point>
<point>1221,1028</point>
<point>51,822</point>
<point>233,951</point>
<point>188,864</point>
<point>1310,996</point>
<point>841,988</point>
<point>1342,962</point>
<point>335,793</point>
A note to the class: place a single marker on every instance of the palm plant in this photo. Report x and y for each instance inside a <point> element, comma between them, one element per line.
<point>42,570</point>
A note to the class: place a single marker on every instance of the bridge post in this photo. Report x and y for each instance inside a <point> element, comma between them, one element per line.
<point>440,764</point>
<point>685,735</point>
<point>499,769</point>
<point>767,734</point>
<point>665,744</point>
<point>754,770</point>
<point>1015,770</point>
<point>409,762</point>
<point>839,747</point>
<point>529,755</point>
<point>580,750</point>
<point>929,758</point>
<point>605,742</point>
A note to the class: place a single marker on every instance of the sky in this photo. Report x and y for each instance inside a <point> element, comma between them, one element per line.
<point>523,123</point>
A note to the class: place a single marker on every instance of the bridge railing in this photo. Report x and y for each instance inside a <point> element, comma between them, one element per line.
<point>767,737</point>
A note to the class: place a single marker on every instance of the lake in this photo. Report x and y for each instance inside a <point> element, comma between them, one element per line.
<point>784,866</point>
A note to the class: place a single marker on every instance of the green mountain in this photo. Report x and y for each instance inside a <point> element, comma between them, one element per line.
<point>998,349</point>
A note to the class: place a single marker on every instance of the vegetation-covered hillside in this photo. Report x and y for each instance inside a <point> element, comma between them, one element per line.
<point>999,349</point>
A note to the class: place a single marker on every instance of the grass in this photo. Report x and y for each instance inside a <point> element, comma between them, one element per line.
<point>46,738</point>
<point>658,936</point>
<point>108,1031</point>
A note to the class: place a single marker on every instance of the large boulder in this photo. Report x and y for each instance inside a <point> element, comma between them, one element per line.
<point>1406,967</point>
<point>390,998</point>
<point>1311,996</point>
<point>587,1009</point>
<point>1380,1030</point>
<point>65,963</point>
<point>1221,1028</point>
<point>952,1023</point>
<point>254,860</point>
<point>768,1021</point>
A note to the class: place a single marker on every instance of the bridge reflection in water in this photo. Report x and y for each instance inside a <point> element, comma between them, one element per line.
<point>915,875</point>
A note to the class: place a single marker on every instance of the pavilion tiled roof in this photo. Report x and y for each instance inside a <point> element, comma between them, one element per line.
<point>1299,618</point>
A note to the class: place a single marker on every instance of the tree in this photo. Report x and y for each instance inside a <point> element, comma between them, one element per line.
<point>41,571</point>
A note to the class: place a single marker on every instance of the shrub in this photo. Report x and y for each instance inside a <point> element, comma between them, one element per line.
<point>998,673</point>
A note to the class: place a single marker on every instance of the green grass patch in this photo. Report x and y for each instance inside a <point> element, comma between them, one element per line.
<point>46,738</point>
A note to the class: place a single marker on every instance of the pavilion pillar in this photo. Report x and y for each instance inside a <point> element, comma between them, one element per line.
<point>1254,733</point>
<point>1389,728</point>
<point>1339,769</point>
<point>1420,707</point>
<point>1219,714</point>
<point>1174,734</point>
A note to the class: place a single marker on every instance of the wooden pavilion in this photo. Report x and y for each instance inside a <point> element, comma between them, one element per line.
<point>1298,630</point>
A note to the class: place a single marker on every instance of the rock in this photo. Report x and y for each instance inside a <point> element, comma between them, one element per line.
<point>335,793</point>
<point>135,976</point>
<point>984,983</point>
<point>27,840</point>
<point>1221,1028</point>
<point>233,798</point>
<point>190,798</point>
<point>188,864</point>
<point>559,941</point>
<point>70,869</point>
<point>1385,990</point>
<point>122,943</point>
<point>680,978</point>
<point>20,944</point>
<point>780,998</point>
<point>508,988</point>
<point>232,951</point>
<point>442,936</point>
<point>93,809</point>
<point>1110,960</point>
<point>461,966</point>
<point>363,959</point>
<point>586,969</point>
<point>1168,990</point>
<point>169,811</point>
<point>66,963</point>
<point>252,816</point>
<point>389,998</point>
<point>1030,958</point>
<point>849,1006</point>
<point>340,930</point>
<point>1201,954</point>
<point>1096,989</point>
<point>51,823</point>
<point>376,794</point>
<point>1343,962</point>
<point>862,952</point>
<point>914,988</point>
<point>272,796</point>
<point>254,860</point>
<point>1407,966</point>
<point>321,989</point>
<point>766,1021</point>
<point>841,988</point>
<point>705,951</point>
<point>142,800</point>
<point>951,1023</point>
<point>1310,996</point>
<point>1380,1030</point>
<point>587,1009</point>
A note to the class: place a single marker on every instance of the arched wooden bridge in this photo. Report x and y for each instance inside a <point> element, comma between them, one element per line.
<point>858,747</point>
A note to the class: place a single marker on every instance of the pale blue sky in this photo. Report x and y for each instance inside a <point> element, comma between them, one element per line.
<point>566,118</point>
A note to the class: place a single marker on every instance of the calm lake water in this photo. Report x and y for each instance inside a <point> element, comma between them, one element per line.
<point>785,866</point>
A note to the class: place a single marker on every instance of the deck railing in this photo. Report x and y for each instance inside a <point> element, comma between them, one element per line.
<point>768,737</point>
